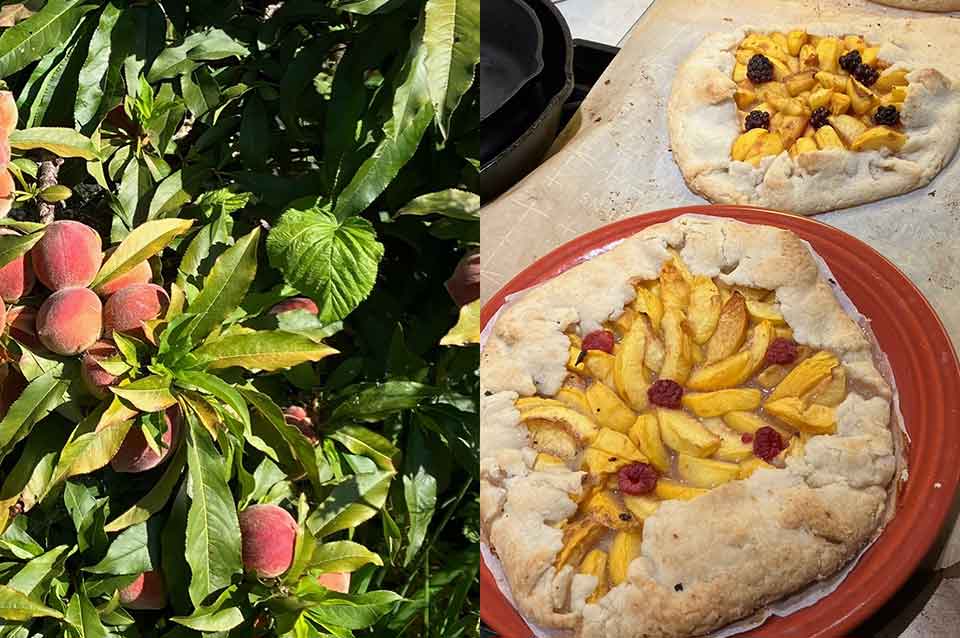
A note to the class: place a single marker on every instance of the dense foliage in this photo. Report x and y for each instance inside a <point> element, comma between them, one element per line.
<point>252,152</point>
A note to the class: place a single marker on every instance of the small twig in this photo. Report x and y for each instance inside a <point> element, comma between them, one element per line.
<point>47,177</point>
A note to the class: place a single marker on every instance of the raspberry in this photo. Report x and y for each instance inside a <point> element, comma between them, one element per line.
<point>767,443</point>
<point>819,117</point>
<point>746,438</point>
<point>757,119</point>
<point>850,61</point>
<point>866,74</point>
<point>887,115</point>
<point>637,478</point>
<point>598,340</point>
<point>666,393</point>
<point>759,69</point>
<point>782,351</point>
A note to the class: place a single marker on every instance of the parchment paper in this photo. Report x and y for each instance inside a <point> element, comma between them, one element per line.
<point>816,591</point>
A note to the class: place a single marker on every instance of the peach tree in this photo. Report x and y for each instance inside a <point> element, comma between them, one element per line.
<point>239,311</point>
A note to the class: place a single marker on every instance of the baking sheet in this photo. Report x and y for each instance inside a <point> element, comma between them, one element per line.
<point>614,160</point>
<point>814,592</point>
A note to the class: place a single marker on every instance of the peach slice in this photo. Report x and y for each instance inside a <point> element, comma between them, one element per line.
<point>705,473</point>
<point>600,365</point>
<point>599,463</point>
<point>546,436</point>
<point>623,550</point>
<point>725,373</point>
<point>678,358</point>
<point>749,423</point>
<point>831,391</point>
<point>807,374</point>
<point>578,426</point>
<point>607,510</point>
<point>645,433</point>
<point>704,310</point>
<point>760,311</point>
<point>528,403</point>
<point>607,408</point>
<point>648,302</point>
<point>674,289</point>
<point>731,329</point>
<point>629,375</point>
<point>577,538</point>
<point>685,434</point>
<point>642,507</point>
<point>719,402</point>
<point>595,564</point>
<point>813,419</point>
<point>548,462</point>
<point>748,467</point>
<point>614,443</point>
<point>574,398</point>
<point>668,490</point>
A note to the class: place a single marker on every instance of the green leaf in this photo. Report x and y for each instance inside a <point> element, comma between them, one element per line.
<point>143,242</point>
<point>362,7</point>
<point>84,618</point>
<point>30,40</point>
<point>200,91</point>
<point>129,553</point>
<point>351,502</point>
<point>40,570</point>
<point>226,285</point>
<point>89,85</point>
<point>29,477</point>
<point>420,494</point>
<point>215,616</point>
<point>13,246</point>
<point>211,44</point>
<point>255,133</point>
<point>18,607</point>
<point>90,451</point>
<point>353,611</point>
<point>451,202</point>
<point>213,529</point>
<point>378,171</point>
<point>217,387</point>
<point>265,350</point>
<point>64,142</point>
<point>467,330</point>
<point>154,500</point>
<point>452,39</point>
<point>343,556</point>
<point>176,190</point>
<point>412,93</point>
<point>149,394</point>
<point>41,395</point>
<point>360,440</point>
<point>375,401</point>
<point>333,262</point>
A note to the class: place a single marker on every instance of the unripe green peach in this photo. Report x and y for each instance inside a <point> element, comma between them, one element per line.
<point>69,321</point>
<point>68,255</point>
<point>96,379</point>
<point>268,534</point>
<point>295,303</point>
<point>135,454</point>
<point>16,278</point>
<point>127,309</point>
<point>148,591</point>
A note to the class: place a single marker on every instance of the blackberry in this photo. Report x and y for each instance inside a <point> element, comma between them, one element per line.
<point>759,69</point>
<point>888,115</point>
<point>850,61</point>
<point>819,117</point>
<point>866,74</point>
<point>757,119</point>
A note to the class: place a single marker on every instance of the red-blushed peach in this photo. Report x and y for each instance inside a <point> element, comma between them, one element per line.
<point>127,309</point>
<point>268,534</point>
<point>7,186</point>
<point>139,274</point>
<point>16,278</point>
<point>68,255</point>
<point>135,455</point>
<point>335,581</point>
<point>69,321</point>
<point>298,416</point>
<point>8,114</point>
<point>4,152</point>
<point>95,378</point>
<point>22,325</point>
<point>295,303</point>
<point>3,318</point>
<point>148,591</point>
<point>464,283</point>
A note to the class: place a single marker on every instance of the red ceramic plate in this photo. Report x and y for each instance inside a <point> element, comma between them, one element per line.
<point>928,378</point>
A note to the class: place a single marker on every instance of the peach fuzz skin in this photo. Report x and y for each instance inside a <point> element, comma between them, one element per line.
<point>127,309</point>
<point>68,255</point>
<point>135,455</point>
<point>268,535</point>
<point>69,321</point>
<point>148,591</point>
<point>16,278</point>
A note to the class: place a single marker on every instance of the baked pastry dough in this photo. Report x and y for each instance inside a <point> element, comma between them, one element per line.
<point>705,123</point>
<point>699,558</point>
<point>923,5</point>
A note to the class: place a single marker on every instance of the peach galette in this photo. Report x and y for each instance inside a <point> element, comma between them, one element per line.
<point>679,431</point>
<point>808,121</point>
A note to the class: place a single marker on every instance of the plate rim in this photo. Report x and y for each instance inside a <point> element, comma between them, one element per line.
<point>497,612</point>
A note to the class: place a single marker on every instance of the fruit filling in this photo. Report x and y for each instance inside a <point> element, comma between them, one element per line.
<point>803,93</point>
<point>696,384</point>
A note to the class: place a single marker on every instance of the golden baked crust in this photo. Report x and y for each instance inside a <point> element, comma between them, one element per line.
<point>702,120</point>
<point>732,550</point>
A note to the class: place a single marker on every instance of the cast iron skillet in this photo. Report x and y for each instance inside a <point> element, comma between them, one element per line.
<point>511,45</point>
<point>515,138</point>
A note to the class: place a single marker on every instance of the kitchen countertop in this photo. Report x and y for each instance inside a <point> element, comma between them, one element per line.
<point>613,161</point>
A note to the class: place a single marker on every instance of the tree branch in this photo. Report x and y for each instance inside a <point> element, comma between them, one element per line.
<point>47,177</point>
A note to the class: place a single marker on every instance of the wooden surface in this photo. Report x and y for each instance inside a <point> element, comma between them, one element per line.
<point>613,160</point>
